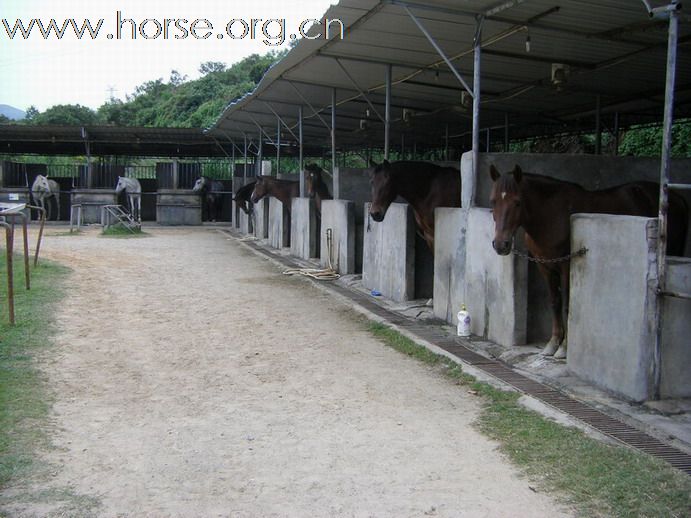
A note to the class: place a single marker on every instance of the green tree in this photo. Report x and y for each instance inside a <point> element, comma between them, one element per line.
<point>66,114</point>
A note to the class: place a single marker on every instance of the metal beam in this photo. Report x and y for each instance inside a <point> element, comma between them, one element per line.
<point>673,35</point>
<point>285,125</point>
<point>387,113</point>
<point>301,164</point>
<point>334,167</point>
<point>438,49</point>
<point>357,87</point>
<point>314,111</point>
<point>477,44</point>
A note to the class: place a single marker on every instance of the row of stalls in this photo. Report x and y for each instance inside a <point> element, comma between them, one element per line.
<point>167,195</point>
<point>476,80</point>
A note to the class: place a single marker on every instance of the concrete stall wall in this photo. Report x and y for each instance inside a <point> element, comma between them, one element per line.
<point>337,242</point>
<point>279,224</point>
<point>303,228</point>
<point>611,326</point>
<point>177,207</point>
<point>261,219</point>
<point>388,264</point>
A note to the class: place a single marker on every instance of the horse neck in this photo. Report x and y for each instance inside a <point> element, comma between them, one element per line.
<point>408,189</point>
<point>540,216</point>
<point>279,191</point>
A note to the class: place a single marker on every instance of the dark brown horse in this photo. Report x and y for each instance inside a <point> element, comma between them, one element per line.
<point>283,190</point>
<point>242,197</point>
<point>423,185</point>
<point>543,207</point>
<point>316,186</point>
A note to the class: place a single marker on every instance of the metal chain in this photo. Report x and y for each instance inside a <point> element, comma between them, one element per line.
<point>545,260</point>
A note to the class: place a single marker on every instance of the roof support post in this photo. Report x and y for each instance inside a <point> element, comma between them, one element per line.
<point>334,166</point>
<point>89,168</point>
<point>244,169</point>
<point>260,155</point>
<point>673,34</point>
<point>477,55</point>
<point>506,132</point>
<point>301,164</point>
<point>598,125</point>
<point>616,133</point>
<point>278,146</point>
<point>232,171</point>
<point>387,114</point>
<point>446,143</point>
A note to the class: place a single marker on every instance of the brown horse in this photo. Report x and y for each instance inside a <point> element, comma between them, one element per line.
<point>543,207</point>
<point>242,197</point>
<point>423,185</point>
<point>283,190</point>
<point>316,186</point>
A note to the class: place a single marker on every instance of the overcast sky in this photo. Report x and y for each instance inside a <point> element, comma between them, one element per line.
<point>43,73</point>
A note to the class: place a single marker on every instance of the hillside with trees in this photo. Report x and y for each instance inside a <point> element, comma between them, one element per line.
<point>176,102</point>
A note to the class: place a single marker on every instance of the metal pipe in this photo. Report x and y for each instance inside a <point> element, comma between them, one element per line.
<point>387,113</point>
<point>673,33</point>
<point>260,156</point>
<point>9,240</point>
<point>334,165</point>
<point>616,133</point>
<point>477,44</point>
<point>506,132</point>
<point>598,125</point>
<point>301,163</point>
<point>244,169</point>
<point>438,49</point>
<point>278,146</point>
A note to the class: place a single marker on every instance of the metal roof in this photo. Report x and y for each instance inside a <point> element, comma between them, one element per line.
<point>110,140</point>
<point>613,49</point>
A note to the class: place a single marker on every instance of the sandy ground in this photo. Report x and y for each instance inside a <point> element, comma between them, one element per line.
<point>193,379</point>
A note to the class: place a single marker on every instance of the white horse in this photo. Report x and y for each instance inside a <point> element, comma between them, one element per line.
<point>42,189</point>
<point>133,189</point>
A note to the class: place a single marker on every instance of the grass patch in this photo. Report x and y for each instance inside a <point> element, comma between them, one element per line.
<point>25,399</point>
<point>24,402</point>
<point>594,478</point>
<point>121,231</point>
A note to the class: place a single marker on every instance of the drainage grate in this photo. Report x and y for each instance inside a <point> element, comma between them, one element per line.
<point>604,423</point>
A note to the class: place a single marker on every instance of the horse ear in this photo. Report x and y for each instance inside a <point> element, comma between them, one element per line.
<point>372,163</point>
<point>494,173</point>
<point>386,163</point>
<point>517,173</point>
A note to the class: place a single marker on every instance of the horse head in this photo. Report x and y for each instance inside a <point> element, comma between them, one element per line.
<point>200,184</point>
<point>312,179</point>
<point>120,185</point>
<point>507,207</point>
<point>383,191</point>
<point>40,184</point>
<point>260,190</point>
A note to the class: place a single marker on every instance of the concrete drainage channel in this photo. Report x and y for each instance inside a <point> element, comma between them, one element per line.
<point>454,348</point>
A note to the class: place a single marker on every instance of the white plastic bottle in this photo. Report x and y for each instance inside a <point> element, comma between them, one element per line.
<point>463,327</point>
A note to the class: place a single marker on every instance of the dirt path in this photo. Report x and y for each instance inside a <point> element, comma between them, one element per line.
<point>193,379</point>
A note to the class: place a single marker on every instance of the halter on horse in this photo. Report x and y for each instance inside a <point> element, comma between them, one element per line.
<point>423,185</point>
<point>316,186</point>
<point>543,207</point>
<point>212,200</point>
<point>42,189</point>
<point>133,189</point>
